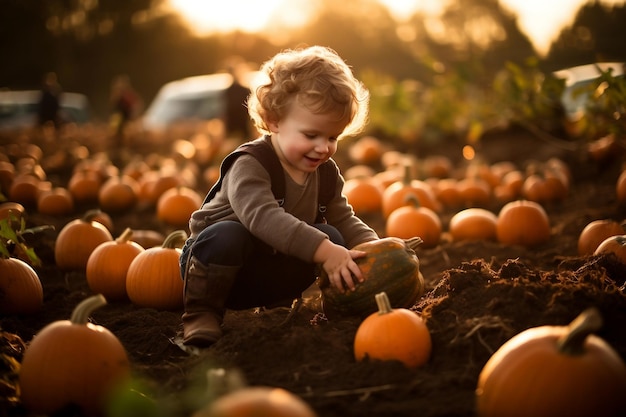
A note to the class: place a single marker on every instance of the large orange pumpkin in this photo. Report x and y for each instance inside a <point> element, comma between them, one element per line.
<point>390,265</point>
<point>552,371</point>
<point>524,223</point>
<point>73,363</point>
<point>77,239</point>
<point>393,334</point>
<point>20,288</point>
<point>108,265</point>
<point>153,279</point>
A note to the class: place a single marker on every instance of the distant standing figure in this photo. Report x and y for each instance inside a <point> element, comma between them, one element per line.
<point>236,119</point>
<point>49,101</point>
<point>126,105</point>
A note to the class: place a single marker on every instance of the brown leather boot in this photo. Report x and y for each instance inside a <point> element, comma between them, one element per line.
<point>206,289</point>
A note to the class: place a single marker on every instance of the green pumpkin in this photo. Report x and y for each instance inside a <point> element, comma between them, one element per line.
<point>390,265</point>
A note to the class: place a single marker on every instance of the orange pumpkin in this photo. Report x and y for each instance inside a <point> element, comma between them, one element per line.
<point>395,195</point>
<point>176,205</point>
<point>108,265</point>
<point>596,232</point>
<point>473,223</point>
<point>20,288</point>
<point>77,240</point>
<point>363,194</point>
<point>84,186</point>
<point>10,208</point>
<point>257,401</point>
<point>393,334</point>
<point>414,220</point>
<point>523,223</point>
<point>73,362</point>
<point>366,150</point>
<point>614,244</point>
<point>552,371</point>
<point>118,193</point>
<point>153,279</point>
<point>57,201</point>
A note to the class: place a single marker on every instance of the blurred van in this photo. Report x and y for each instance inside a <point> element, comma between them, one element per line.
<point>191,99</point>
<point>19,108</point>
<point>579,88</point>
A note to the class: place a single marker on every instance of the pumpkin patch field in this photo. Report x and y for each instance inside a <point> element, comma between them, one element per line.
<point>502,253</point>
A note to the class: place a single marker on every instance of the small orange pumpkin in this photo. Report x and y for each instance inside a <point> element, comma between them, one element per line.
<point>395,195</point>
<point>473,223</point>
<point>176,205</point>
<point>77,240</point>
<point>20,288</point>
<point>73,362</point>
<point>57,201</point>
<point>119,193</point>
<point>364,195</point>
<point>153,279</point>
<point>393,334</point>
<point>414,220</point>
<point>524,223</point>
<point>596,232</point>
<point>108,265</point>
<point>552,371</point>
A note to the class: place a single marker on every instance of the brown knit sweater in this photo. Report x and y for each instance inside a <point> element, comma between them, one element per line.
<point>246,196</point>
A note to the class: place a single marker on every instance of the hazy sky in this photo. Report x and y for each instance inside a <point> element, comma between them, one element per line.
<point>541,20</point>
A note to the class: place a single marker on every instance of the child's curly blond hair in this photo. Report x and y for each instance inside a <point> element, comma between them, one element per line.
<point>318,79</point>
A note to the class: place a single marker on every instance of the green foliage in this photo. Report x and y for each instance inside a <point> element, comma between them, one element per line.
<point>12,231</point>
<point>528,95</point>
<point>606,111</point>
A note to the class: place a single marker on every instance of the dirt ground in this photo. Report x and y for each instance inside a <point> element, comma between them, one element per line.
<point>479,294</point>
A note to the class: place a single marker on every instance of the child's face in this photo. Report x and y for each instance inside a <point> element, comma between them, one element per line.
<point>305,140</point>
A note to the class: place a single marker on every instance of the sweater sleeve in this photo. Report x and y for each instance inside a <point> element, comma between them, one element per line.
<point>247,187</point>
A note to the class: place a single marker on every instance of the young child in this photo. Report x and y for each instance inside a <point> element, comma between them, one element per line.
<point>246,248</point>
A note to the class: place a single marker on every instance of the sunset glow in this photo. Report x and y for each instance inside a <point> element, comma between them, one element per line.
<point>540,20</point>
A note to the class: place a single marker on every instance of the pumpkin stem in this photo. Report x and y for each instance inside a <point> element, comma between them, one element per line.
<point>412,199</point>
<point>81,312</point>
<point>571,343</point>
<point>382,301</point>
<point>407,177</point>
<point>174,239</point>
<point>125,236</point>
<point>413,242</point>
<point>91,214</point>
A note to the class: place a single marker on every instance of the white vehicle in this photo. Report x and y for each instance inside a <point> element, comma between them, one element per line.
<point>576,96</point>
<point>19,108</point>
<point>197,98</point>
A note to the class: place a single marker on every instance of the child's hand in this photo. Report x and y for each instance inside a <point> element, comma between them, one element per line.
<point>338,263</point>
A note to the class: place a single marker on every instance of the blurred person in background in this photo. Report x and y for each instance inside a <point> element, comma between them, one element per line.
<point>126,105</point>
<point>236,119</point>
<point>49,106</point>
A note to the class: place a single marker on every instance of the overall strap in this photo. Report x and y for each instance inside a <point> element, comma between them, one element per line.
<point>262,150</point>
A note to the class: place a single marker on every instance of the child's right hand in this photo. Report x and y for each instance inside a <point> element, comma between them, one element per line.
<point>338,263</point>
